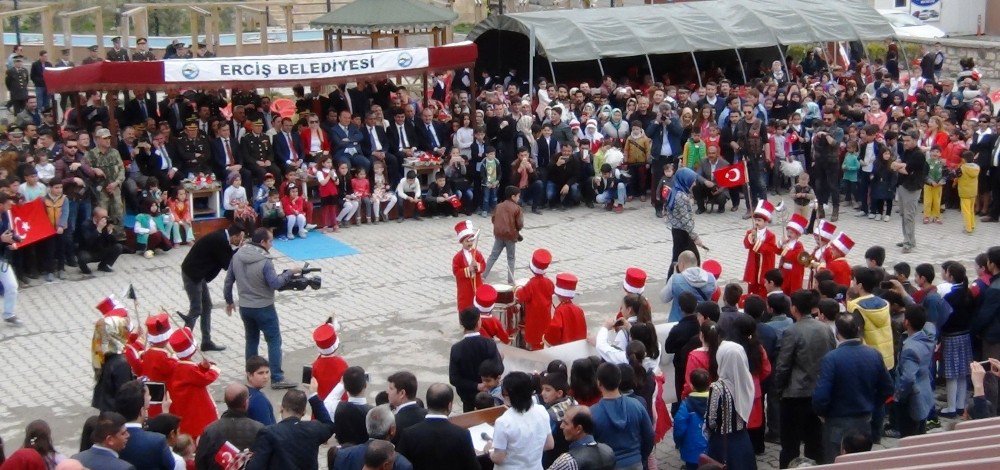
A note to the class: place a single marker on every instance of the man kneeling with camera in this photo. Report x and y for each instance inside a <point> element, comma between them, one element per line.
<point>253,273</point>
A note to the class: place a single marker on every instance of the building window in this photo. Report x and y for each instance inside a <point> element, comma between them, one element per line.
<point>901,3</point>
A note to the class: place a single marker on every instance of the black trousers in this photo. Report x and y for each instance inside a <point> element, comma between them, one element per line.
<point>994,209</point>
<point>200,306</point>
<point>682,242</point>
<point>799,425</point>
<point>827,184</point>
<point>105,256</point>
<point>703,195</point>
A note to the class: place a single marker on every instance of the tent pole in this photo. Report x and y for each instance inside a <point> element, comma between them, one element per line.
<point>696,69</point>
<point>784,66</point>
<point>742,69</point>
<point>552,70</point>
<point>601,65</point>
<point>531,62</point>
<point>648,64</point>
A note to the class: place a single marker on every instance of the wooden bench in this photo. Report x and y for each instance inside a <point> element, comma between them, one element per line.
<point>933,455</point>
<point>949,436</point>
<point>953,445</point>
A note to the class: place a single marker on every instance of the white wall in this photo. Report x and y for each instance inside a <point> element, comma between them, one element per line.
<point>958,17</point>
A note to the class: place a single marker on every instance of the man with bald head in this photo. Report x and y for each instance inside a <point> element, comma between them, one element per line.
<point>234,426</point>
<point>381,426</point>
<point>436,443</point>
<point>584,452</point>
<point>70,464</point>
<point>379,455</point>
<point>686,276</point>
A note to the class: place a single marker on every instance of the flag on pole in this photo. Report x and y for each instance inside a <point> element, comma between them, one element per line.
<point>29,222</point>
<point>731,176</point>
<point>130,293</point>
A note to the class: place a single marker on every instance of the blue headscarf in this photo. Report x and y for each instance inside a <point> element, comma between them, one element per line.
<point>683,180</point>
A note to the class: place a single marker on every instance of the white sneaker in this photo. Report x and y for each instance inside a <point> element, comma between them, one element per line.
<point>860,213</point>
<point>303,233</point>
<point>148,254</point>
<point>310,226</point>
<point>885,218</point>
<point>871,216</point>
<point>877,217</point>
<point>290,236</point>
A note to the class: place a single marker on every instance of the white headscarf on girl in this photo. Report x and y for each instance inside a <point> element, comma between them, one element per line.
<point>524,127</point>
<point>734,372</point>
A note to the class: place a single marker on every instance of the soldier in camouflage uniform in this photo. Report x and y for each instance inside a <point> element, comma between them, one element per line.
<point>142,52</point>
<point>110,170</point>
<point>15,143</point>
<point>257,149</point>
<point>194,150</point>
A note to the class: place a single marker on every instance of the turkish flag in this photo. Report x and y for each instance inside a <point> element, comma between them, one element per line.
<point>731,176</point>
<point>226,455</point>
<point>30,222</point>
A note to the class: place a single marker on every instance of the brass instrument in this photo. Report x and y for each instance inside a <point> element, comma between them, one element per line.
<point>804,259</point>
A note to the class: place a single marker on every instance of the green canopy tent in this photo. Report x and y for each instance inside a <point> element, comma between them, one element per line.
<point>384,18</point>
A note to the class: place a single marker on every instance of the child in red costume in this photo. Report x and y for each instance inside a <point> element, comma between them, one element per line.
<point>792,270</point>
<point>110,307</point>
<point>763,249</point>
<point>188,386</point>
<point>158,362</point>
<point>568,323</point>
<point>536,296</point>
<point>835,259</point>
<point>467,266</point>
<point>489,326</point>
<point>329,367</point>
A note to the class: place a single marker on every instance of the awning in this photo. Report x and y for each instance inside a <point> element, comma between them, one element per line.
<point>368,16</point>
<point>590,34</point>
<point>259,71</point>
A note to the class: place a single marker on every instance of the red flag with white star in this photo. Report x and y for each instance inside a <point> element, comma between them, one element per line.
<point>30,223</point>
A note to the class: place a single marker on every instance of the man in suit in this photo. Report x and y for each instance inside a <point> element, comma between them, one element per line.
<point>38,78</point>
<point>402,139</point>
<point>288,146</point>
<point>359,98</point>
<point>208,256</point>
<point>381,425</point>
<point>109,436</point>
<point>234,426</point>
<point>161,160</point>
<point>293,443</point>
<point>174,110</point>
<point>143,449</point>
<point>914,392</point>
<point>436,443</point>
<point>375,144</point>
<point>433,135</point>
<point>466,357</point>
<point>548,150</point>
<point>138,109</point>
<point>704,189</point>
<point>228,155</point>
<point>402,391</point>
<point>346,138</point>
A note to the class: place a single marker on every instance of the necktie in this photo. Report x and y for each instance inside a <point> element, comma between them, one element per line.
<point>177,116</point>
<point>291,148</point>
<point>430,129</point>
<point>376,145</point>
<point>167,164</point>
<point>142,106</point>
<point>350,105</point>
<point>402,138</point>
<point>229,152</point>
<point>204,127</point>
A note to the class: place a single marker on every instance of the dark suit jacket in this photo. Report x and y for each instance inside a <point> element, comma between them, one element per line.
<point>547,153</point>
<point>427,141</point>
<point>439,445</point>
<point>353,458</point>
<point>219,156</point>
<point>280,146</point>
<point>350,423</point>
<point>36,73</point>
<point>394,138</point>
<point>292,443</point>
<point>233,426</point>
<point>466,357</point>
<point>147,450</point>
<point>407,417</point>
<point>133,112</point>
<point>366,141</point>
<point>167,113</point>
<point>209,255</point>
<point>102,459</point>
<point>353,135</point>
<point>360,101</point>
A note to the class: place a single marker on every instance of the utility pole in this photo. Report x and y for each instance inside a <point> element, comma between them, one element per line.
<point>17,24</point>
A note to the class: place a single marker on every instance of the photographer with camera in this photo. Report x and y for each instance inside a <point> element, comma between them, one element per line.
<point>209,255</point>
<point>253,273</point>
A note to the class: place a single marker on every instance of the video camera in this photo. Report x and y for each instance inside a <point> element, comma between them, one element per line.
<point>301,282</point>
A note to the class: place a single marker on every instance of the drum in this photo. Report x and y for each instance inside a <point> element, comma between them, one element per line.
<point>505,294</point>
<point>513,320</point>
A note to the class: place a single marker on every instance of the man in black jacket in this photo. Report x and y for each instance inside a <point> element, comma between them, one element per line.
<point>234,426</point>
<point>98,243</point>
<point>293,443</point>
<point>436,443</point>
<point>466,357</point>
<point>402,391</point>
<point>209,255</point>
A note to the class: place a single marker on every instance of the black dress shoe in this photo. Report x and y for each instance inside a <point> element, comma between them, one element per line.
<point>536,211</point>
<point>105,268</point>
<point>184,318</point>
<point>85,270</point>
<point>212,347</point>
<point>701,210</point>
<point>71,263</point>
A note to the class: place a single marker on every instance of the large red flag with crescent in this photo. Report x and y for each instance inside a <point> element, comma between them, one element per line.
<point>731,176</point>
<point>29,222</point>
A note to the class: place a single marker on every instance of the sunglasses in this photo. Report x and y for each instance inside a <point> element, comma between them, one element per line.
<point>313,122</point>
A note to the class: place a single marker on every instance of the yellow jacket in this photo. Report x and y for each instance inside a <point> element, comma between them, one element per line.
<point>968,181</point>
<point>878,325</point>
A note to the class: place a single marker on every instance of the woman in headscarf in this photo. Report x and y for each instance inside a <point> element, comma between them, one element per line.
<point>680,215</point>
<point>595,138</point>
<point>616,128</point>
<point>730,400</point>
<point>525,135</point>
<point>108,347</point>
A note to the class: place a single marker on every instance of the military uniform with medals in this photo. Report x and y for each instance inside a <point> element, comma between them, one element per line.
<point>194,151</point>
<point>257,149</point>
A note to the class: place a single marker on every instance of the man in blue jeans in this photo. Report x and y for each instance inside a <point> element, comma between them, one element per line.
<point>253,273</point>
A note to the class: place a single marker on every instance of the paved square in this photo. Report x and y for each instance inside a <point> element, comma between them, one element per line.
<point>394,300</point>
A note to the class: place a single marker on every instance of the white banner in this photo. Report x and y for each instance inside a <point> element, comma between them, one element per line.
<point>302,67</point>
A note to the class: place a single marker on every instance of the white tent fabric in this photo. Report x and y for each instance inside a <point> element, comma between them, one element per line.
<point>589,34</point>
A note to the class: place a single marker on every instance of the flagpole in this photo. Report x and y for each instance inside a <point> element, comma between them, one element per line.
<point>190,336</point>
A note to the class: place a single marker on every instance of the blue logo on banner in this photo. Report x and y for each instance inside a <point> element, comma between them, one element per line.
<point>405,59</point>
<point>190,71</point>
<point>924,3</point>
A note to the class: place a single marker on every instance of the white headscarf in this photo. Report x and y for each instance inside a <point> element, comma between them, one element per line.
<point>734,372</point>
